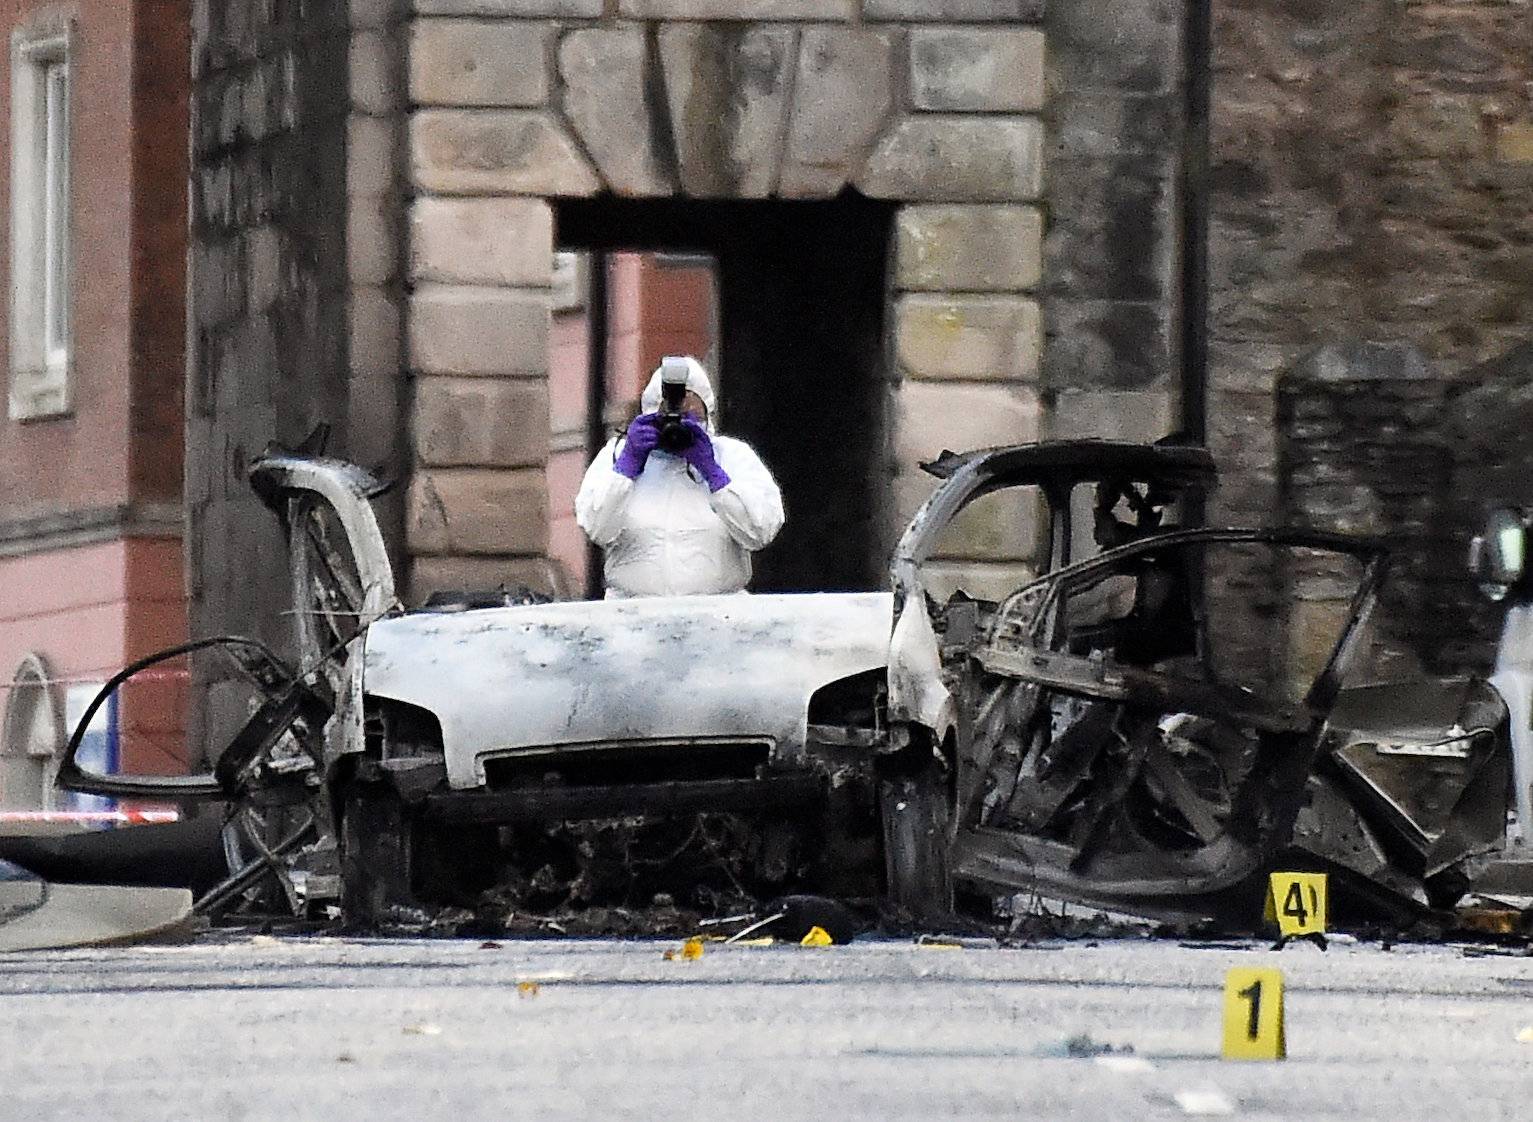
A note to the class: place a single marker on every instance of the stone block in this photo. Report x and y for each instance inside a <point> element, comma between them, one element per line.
<point>264,267</point>
<point>496,152</point>
<point>976,69</point>
<point>1112,228</point>
<point>969,248</point>
<point>375,331</point>
<point>1514,143</point>
<point>1143,417</point>
<point>823,11</point>
<point>1248,367</point>
<point>944,158</point>
<point>482,241</point>
<point>977,11</point>
<point>520,9</point>
<point>479,331</point>
<point>374,417</point>
<point>370,155</point>
<point>476,511</point>
<point>979,338</point>
<point>484,574</point>
<point>1127,46</point>
<point>1313,628</point>
<point>994,582</point>
<point>481,422</point>
<point>1108,345</point>
<point>727,90</point>
<point>932,416</point>
<point>1103,124</point>
<point>841,95</point>
<point>217,284</point>
<point>606,99</point>
<point>374,71</point>
<point>372,246</point>
<point>500,63</point>
<point>371,13</point>
<point>1357,361</point>
<point>1003,526</point>
<point>1436,126</point>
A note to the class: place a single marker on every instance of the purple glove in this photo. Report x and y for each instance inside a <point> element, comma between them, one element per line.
<point>700,455</point>
<point>642,438</point>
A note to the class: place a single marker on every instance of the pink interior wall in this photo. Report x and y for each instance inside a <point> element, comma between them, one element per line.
<point>654,309</point>
<point>568,362</point>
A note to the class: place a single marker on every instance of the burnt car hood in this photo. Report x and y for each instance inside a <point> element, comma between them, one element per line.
<point>664,669</point>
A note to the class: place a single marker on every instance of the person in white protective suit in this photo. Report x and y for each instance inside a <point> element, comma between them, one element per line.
<point>681,524</point>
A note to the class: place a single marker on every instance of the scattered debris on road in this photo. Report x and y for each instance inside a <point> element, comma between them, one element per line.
<point>1085,1046</point>
<point>690,951</point>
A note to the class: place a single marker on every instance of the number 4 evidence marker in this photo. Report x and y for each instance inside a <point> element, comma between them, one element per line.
<point>1296,903</point>
<point>1253,1014</point>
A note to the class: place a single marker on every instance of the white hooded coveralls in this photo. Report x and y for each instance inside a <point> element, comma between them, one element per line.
<point>664,534</point>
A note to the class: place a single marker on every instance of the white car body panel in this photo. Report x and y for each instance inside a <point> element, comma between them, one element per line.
<point>610,671</point>
<point>916,690</point>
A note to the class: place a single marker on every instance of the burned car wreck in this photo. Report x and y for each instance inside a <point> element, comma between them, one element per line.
<point>1077,736</point>
<point>1085,737</point>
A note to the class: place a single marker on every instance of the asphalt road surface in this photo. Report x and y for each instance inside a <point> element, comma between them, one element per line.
<point>381,1029</point>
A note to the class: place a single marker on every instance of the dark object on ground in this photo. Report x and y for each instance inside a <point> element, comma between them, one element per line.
<point>1084,1046</point>
<point>187,854</point>
<point>797,914</point>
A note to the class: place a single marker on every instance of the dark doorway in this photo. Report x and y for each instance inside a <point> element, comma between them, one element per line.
<point>802,292</point>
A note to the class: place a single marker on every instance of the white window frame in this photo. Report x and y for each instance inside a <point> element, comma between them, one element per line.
<point>571,280</point>
<point>42,263</point>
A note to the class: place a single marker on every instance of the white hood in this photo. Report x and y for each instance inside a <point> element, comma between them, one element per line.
<point>503,680</point>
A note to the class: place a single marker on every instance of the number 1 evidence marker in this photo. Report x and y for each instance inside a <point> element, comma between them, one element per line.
<point>1253,1014</point>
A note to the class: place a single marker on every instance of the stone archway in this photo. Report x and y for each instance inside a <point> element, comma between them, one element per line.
<point>512,114</point>
<point>31,738</point>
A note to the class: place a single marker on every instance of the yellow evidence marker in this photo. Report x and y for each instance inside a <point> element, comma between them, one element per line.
<point>1253,1014</point>
<point>1296,903</point>
<point>816,937</point>
<point>691,951</point>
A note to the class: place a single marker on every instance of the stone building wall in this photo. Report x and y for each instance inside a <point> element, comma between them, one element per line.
<point>517,105</point>
<point>1113,257</point>
<point>1372,180</point>
<point>1363,451</point>
<point>268,284</point>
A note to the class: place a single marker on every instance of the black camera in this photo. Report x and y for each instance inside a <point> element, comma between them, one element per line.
<point>675,436</point>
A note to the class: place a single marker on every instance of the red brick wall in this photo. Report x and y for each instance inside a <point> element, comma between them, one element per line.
<point>88,609</point>
<point>129,96</point>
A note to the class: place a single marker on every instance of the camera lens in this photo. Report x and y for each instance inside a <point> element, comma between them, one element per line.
<point>675,437</point>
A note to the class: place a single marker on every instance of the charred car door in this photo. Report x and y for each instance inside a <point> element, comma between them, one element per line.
<point>341,581</point>
<point>1104,756</point>
<point>1081,737</point>
<point>293,714</point>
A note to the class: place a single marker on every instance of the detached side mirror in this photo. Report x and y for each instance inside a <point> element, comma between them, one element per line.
<point>1498,555</point>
